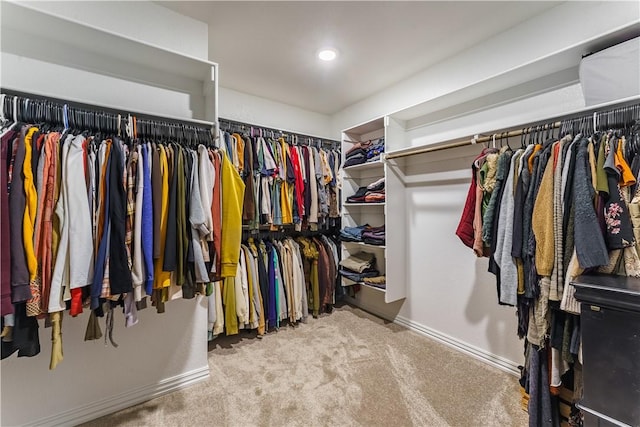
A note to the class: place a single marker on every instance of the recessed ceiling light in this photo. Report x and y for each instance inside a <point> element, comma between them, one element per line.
<point>328,54</point>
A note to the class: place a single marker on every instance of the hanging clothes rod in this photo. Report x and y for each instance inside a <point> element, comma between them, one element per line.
<point>625,111</point>
<point>472,141</point>
<point>227,124</point>
<point>107,109</point>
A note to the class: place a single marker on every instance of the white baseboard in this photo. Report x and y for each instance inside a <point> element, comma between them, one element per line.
<point>124,400</point>
<point>466,348</point>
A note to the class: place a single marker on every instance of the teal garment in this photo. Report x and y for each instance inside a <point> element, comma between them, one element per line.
<point>276,207</point>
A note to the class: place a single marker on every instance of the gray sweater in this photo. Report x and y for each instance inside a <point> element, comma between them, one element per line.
<point>502,256</point>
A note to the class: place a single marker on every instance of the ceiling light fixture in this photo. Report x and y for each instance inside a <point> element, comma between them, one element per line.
<point>328,54</point>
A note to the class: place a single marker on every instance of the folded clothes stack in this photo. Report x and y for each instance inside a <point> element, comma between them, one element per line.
<point>375,150</point>
<point>364,233</point>
<point>360,267</point>
<point>372,193</point>
<point>374,235</point>
<point>352,234</point>
<point>362,152</point>
<point>378,282</point>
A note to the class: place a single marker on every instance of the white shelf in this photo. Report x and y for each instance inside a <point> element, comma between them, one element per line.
<point>365,128</point>
<point>366,245</point>
<point>392,214</point>
<point>363,204</point>
<point>350,282</point>
<point>23,25</point>
<point>383,290</point>
<point>364,166</point>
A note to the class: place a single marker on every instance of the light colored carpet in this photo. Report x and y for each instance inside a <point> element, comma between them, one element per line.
<point>348,368</point>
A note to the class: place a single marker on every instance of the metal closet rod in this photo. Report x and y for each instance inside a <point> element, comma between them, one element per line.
<point>99,108</point>
<point>480,140</point>
<point>222,122</point>
<point>525,129</point>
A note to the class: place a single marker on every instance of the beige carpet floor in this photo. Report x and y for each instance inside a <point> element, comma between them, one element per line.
<point>348,368</point>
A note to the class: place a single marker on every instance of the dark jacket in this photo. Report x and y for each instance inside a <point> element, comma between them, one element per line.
<point>119,272</point>
<point>590,247</point>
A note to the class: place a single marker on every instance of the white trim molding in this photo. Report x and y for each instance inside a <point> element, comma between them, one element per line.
<point>124,400</point>
<point>466,348</point>
<point>483,355</point>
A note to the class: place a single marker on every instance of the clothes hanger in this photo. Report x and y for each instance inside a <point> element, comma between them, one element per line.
<point>2,109</point>
<point>504,137</point>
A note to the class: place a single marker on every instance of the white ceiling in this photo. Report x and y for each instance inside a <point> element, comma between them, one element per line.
<point>268,48</point>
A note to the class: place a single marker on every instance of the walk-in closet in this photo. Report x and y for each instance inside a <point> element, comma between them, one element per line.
<point>320,213</point>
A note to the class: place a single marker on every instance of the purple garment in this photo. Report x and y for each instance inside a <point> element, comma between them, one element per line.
<point>17,202</point>
<point>6,307</point>
<point>147,222</point>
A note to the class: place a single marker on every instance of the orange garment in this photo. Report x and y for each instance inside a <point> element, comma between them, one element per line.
<point>28,225</point>
<point>556,156</point>
<point>239,151</point>
<point>45,158</point>
<point>626,175</point>
<point>536,148</point>
<point>44,249</point>
<point>31,199</point>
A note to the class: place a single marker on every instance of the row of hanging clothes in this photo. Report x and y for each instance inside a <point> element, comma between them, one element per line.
<point>280,279</point>
<point>103,210</point>
<point>291,180</point>
<point>563,203</point>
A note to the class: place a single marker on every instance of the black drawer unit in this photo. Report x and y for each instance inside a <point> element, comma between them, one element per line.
<point>610,324</point>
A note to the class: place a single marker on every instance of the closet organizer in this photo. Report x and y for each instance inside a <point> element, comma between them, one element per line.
<point>548,202</point>
<point>289,212</point>
<point>105,210</point>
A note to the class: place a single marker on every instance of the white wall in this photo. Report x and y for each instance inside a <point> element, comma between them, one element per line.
<point>255,110</point>
<point>95,379</point>
<point>497,84</point>
<point>163,351</point>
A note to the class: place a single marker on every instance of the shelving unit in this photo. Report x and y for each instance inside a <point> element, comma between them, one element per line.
<point>375,214</point>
